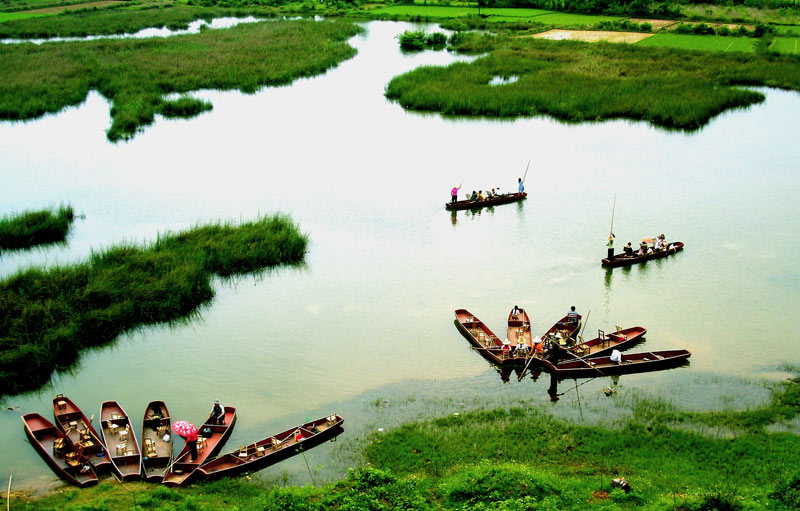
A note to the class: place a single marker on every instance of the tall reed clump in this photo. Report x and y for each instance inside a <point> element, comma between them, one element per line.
<point>577,81</point>
<point>48,316</point>
<point>31,228</point>
<point>136,75</point>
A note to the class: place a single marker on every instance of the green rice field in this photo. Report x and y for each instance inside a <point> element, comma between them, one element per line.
<point>496,15</point>
<point>790,45</point>
<point>8,16</point>
<point>696,42</point>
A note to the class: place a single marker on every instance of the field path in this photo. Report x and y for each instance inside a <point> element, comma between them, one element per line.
<point>74,7</point>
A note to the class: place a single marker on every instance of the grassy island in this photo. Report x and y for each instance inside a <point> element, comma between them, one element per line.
<point>137,74</point>
<point>519,459</point>
<point>49,316</point>
<point>31,228</point>
<point>576,81</point>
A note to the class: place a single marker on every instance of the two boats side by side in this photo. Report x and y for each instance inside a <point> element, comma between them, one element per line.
<point>64,457</point>
<point>74,424</point>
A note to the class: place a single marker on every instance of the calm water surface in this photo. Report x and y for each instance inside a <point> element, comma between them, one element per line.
<point>366,327</point>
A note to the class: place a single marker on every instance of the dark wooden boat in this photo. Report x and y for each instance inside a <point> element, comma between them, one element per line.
<point>120,439</point>
<point>631,363</point>
<point>623,260</point>
<point>183,468</point>
<point>605,343</point>
<point>58,451</point>
<point>494,201</point>
<point>156,452</point>
<point>269,451</point>
<point>74,424</point>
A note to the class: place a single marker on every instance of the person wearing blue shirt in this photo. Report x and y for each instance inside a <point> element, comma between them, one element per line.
<point>521,186</point>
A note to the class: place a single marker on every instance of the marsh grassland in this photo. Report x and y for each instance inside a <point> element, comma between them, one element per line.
<point>48,316</point>
<point>135,75</point>
<point>576,81</point>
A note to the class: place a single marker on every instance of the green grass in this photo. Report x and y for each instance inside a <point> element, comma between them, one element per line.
<point>135,75</point>
<point>515,459</point>
<point>580,81</point>
<point>49,316</point>
<point>109,21</point>
<point>495,15</point>
<point>788,45</point>
<point>715,43</point>
<point>32,228</point>
<point>11,16</point>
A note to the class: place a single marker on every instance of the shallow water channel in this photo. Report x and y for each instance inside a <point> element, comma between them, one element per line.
<point>365,329</point>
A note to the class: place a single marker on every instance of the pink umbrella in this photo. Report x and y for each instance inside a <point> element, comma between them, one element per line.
<point>183,428</point>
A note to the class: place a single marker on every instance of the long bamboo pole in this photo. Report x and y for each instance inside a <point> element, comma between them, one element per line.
<point>8,491</point>
<point>526,171</point>
<point>613,210</point>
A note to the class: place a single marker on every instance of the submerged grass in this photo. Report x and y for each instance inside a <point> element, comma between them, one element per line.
<point>48,316</point>
<point>137,74</point>
<point>576,81</point>
<point>31,228</point>
<point>515,460</point>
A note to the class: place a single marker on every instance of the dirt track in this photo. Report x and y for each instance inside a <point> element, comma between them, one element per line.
<point>73,7</point>
<point>592,36</point>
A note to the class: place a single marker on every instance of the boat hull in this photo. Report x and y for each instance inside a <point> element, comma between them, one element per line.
<point>232,465</point>
<point>623,260</point>
<point>154,426</point>
<point>631,363</point>
<point>42,435</point>
<point>66,413</point>
<point>467,204</point>
<point>126,457</point>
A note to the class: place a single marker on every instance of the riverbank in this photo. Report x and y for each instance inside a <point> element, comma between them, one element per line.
<point>32,228</point>
<point>524,458</point>
<point>49,316</point>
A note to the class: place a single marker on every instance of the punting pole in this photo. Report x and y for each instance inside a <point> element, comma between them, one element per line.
<point>613,209</point>
<point>8,491</point>
<point>462,182</point>
<point>526,171</point>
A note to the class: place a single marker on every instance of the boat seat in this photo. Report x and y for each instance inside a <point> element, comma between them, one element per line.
<point>61,405</point>
<point>113,428</point>
<point>260,451</point>
<point>242,454</point>
<point>603,339</point>
<point>121,448</point>
<point>73,459</point>
<point>149,447</point>
<point>59,446</point>
<point>201,443</point>
<point>123,434</point>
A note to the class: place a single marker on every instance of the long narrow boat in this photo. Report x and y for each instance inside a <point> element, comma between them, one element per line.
<point>73,423</point>
<point>631,363</point>
<point>479,335</point>
<point>605,343</point>
<point>58,451</point>
<point>269,451</point>
<point>494,201</point>
<point>156,451</point>
<point>623,260</point>
<point>121,440</point>
<point>183,468</point>
<point>519,328</point>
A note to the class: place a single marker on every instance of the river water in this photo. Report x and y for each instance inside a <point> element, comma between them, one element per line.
<point>365,328</point>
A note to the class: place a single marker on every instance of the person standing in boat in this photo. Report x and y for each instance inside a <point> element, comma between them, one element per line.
<point>217,413</point>
<point>191,441</point>
<point>454,194</point>
<point>572,316</point>
<point>610,246</point>
<point>521,186</point>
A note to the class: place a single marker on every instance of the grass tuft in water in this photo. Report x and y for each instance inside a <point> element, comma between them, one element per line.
<point>31,228</point>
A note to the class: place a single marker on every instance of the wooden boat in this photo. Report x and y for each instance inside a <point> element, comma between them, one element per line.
<point>623,260</point>
<point>120,440</point>
<point>519,329</point>
<point>269,451</point>
<point>156,452</point>
<point>58,451</point>
<point>183,468</point>
<point>631,363</point>
<point>491,347</point>
<point>604,344</point>
<point>74,424</point>
<point>483,339</point>
<point>494,201</point>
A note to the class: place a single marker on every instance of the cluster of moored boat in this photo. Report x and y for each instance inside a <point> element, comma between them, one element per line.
<point>76,452</point>
<point>561,350</point>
